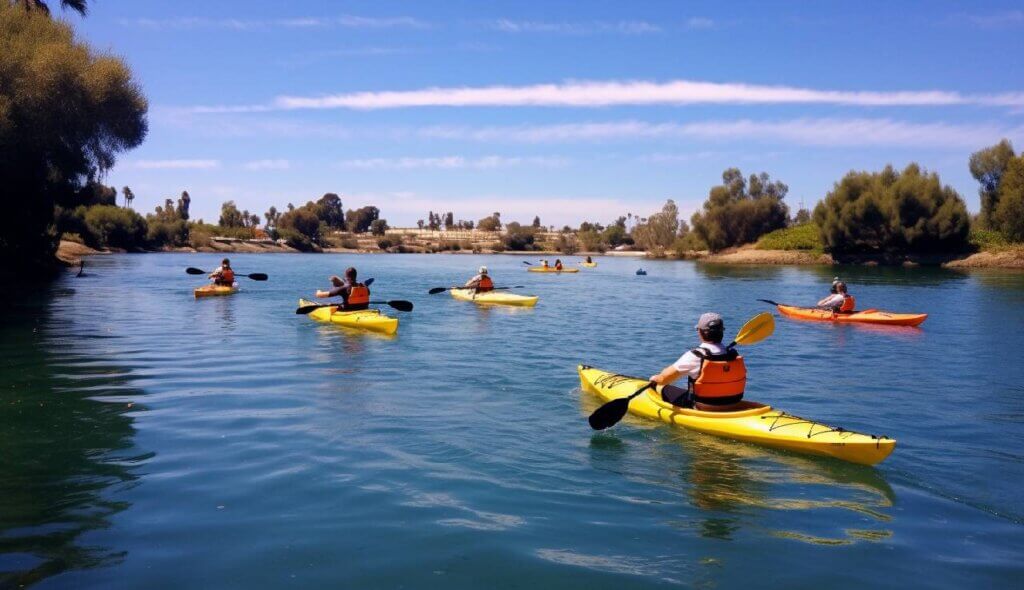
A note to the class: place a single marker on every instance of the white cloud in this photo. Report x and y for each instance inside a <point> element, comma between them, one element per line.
<point>573,28</point>
<point>267,165</point>
<point>699,22</point>
<point>610,93</point>
<point>1010,18</point>
<point>452,162</point>
<point>806,131</point>
<point>343,22</point>
<point>177,164</point>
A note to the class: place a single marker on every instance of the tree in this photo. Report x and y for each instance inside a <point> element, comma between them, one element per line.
<point>518,237</point>
<point>449,221</point>
<point>330,211</point>
<point>491,223</point>
<point>78,6</point>
<point>802,216</point>
<point>659,231</point>
<point>183,204</point>
<point>116,226</point>
<point>359,221</point>
<point>536,222</point>
<point>272,216</point>
<point>230,216</point>
<point>1008,216</point>
<point>891,212</point>
<point>987,167</point>
<point>419,224</point>
<point>616,235</point>
<point>379,227</point>
<point>129,196</point>
<point>66,112</point>
<point>740,211</point>
<point>301,227</point>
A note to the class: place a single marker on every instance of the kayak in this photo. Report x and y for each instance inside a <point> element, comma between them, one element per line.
<point>870,316</point>
<point>494,297</point>
<point>754,422</point>
<point>214,290</point>
<point>364,319</point>
<point>588,264</point>
<point>551,269</point>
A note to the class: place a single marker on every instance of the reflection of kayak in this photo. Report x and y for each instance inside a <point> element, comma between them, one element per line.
<point>757,423</point>
<point>588,264</point>
<point>494,297</point>
<point>871,316</point>
<point>365,319</point>
<point>551,269</point>
<point>214,290</point>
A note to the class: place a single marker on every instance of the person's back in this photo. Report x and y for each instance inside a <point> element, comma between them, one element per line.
<point>481,282</point>
<point>354,295</point>
<point>224,276</point>
<point>840,301</point>
<point>558,265</point>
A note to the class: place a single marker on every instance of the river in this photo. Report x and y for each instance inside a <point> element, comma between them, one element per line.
<point>149,440</point>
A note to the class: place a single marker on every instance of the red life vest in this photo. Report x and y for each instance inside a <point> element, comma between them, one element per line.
<point>484,284</point>
<point>558,266</point>
<point>722,378</point>
<point>358,297</point>
<point>226,277</point>
<point>849,304</point>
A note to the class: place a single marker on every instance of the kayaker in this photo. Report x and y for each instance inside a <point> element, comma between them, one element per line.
<point>223,276</point>
<point>481,282</point>
<point>544,264</point>
<point>354,295</point>
<point>558,264</point>
<point>716,376</point>
<point>840,301</point>
<point>589,261</point>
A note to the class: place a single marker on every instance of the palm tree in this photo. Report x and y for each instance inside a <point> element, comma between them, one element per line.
<point>78,6</point>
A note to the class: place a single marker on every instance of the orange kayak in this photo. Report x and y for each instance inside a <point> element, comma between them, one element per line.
<point>870,316</point>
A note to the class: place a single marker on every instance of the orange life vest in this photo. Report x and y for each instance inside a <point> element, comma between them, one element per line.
<point>226,277</point>
<point>558,266</point>
<point>849,304</point>
<point>722,378</point>
<point>358,297</point>
<point>484,284</point>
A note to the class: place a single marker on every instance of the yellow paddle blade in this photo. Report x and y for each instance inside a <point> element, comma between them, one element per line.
<point>757,329</point>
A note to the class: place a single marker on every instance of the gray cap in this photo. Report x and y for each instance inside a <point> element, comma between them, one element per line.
<point>710,320</point>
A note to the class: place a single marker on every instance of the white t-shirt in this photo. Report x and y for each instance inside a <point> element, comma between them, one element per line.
<point>834,300</point>
<point>689,363</point>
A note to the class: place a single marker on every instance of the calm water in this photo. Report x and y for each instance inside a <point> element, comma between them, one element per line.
<point>148,440</point>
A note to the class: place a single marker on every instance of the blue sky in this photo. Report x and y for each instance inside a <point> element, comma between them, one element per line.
<point>569,110</point>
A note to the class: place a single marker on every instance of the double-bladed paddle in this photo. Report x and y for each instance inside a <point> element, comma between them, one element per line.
<point>399,304</point>
<point>757,329</point>
<point>437,290</point>
<point>256,276</point>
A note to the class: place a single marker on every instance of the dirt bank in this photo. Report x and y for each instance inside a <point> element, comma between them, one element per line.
<point>71,253</point>
<point>1012,257</point>
<point>750,255</point>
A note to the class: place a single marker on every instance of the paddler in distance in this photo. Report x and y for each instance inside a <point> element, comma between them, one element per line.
<point>544,264</point>
<point>840,301</point>
<point>354,295</point>
<point>558,264</point>
<point>716,376</point>
<point>481,282</point>
<point>589,260</point>
<point>223,276</point>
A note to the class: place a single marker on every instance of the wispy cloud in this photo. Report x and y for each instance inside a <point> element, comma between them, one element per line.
<point>699,22</point>
<point>453,162</point>
<point>804,131</point>
<point>612,93</point>
<point>177,164</point>
<point>267,165</point>
<point>1010,18</point>
<point>573,28</point>
<point>316,22</point>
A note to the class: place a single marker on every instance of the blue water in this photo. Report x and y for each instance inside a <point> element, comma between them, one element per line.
<point>148,440</point>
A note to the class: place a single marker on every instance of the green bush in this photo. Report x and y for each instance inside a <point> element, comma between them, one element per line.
<point>116,227</point>
<point>1008,216</point>
<point>891,212</point>
<point>567,244</point>
<point>303,222</point>
<point>987,239</point>
<point>799,237</point>
<point>350,243</point>
<point>518,237</point>
<point>167,233</point>
<point>297,240</point>
<point>740,211</point>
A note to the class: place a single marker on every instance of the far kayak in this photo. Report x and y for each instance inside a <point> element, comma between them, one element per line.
<point>366,319</point>
<point>551,269</point>
<point>214,291</point>
<point>494,297</point>
<point>870,316</point>
<point>588,264</point>
<point>756,423</point>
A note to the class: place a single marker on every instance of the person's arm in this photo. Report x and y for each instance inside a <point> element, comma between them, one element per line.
<point>473,282</point>
<point>666,376</point>
<point>831,300</point>
<point>684,366</point>
<point>335,292</point>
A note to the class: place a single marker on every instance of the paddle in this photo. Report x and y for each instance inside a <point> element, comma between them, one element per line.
<point>527,263</point>
<point>256,276</point>
<point>399,304</point>
<point>437,290</point>
<point>757,329</point>
<point>769,301</point>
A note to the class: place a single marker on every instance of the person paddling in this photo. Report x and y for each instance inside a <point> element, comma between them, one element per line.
<point>354,295</point>
<point>223,276</point>
<point>716,376</point>
<point>558,264</point>
<point>481,282</point>
<point>589,261</point>
<point>544,264</point>
<point>840,301</point>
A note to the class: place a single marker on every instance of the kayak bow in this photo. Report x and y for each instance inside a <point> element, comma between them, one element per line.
<point>365,319</point>
<point>494,297</point>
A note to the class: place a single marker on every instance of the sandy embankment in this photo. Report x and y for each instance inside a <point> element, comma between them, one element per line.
<point>71,253</point>
<point>751,255</point>
<point>1008,258</point>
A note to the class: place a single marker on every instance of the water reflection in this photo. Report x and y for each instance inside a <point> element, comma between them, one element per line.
<point>63,451</point>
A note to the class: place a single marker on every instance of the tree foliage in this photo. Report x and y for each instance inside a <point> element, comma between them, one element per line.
<point>330,211</point>
<point>301,227</point>
<point>230,216</point>
<point>379,227</point>
<point>987,167</point>
<point>359,220</point>
<point>65,113</point>
<point>518,237</point>
<point>891,212</point>
<point>490,223</point>
<point>659,231</point>
<point>116,226</point>
<point>1008,216</point>
<point>739,211</point>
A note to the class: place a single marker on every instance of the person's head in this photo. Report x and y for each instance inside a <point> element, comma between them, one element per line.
<point>336,281</point>
<point>225,263</point>
<point>835,281</point>
<point>350,274</point>
<point>840,287</point>
<point>558,261</point>
<point>711,328</point>
<point>483,270</point>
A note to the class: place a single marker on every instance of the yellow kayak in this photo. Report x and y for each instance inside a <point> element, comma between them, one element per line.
<point>214,291</point>
<point>755,422</point>
<point>551,269</point>
<point>588,264</point>
<point>365,319</point>
<point>495,297</point>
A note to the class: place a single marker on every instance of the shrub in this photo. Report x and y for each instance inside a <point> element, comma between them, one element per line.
<point>303,222</point>
<point>1008,216</point>
<point>297,240</point>
<point>384,243</point>
<point>174,233</point>
<point>518,237</point>
<point>659,230</point>
<point>740,211</point>
<point>687,243</point>
<point>891,212</point>
<point>798,237</point>
<point>350,243</point>
<point>567,244</point>
<point>116,227</point>
<point>379,227</point>
<point>492,223</point>
<point>987,239</point>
